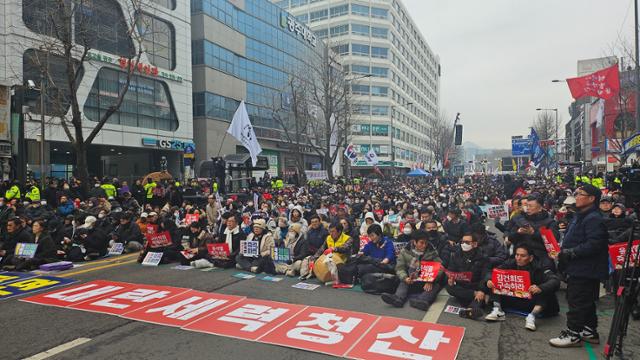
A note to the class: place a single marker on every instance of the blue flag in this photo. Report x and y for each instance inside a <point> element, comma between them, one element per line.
<point>537,152</point>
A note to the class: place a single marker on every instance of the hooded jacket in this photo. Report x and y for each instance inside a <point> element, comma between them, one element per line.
<point>408,262</point>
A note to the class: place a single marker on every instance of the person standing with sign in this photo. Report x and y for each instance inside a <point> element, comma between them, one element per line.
<point>408,268</point>
<point>541,299</point>
<point>584,259</point>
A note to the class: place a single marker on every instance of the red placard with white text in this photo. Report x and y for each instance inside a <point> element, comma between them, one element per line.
<point>428,271</point>
<point>129,299</point>
<point>514,283</point>
<point>393,338</point>
<point>80,293</point>
<point>364,240</point>
<point>159,240</point>
<point>219,251</point>
<point>182,309</point>
<point>617,253</point>
<point>190,218</point>
<point>550,242</point>
<point>328,331</point>
<point>152,229</point>
<point>460,276</point>
<point>248,319</point>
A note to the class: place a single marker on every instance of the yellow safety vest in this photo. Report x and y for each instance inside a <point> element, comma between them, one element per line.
<point>33,194</point>
<point>109,190</point>
<point>617,181</point>
<point>12,193</point>
<point>279,184</point>
<point>215,187</point>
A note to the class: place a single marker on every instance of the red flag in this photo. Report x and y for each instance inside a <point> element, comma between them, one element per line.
<point>603,83</point>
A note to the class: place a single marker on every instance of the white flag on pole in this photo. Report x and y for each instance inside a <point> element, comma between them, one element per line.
<point>242,130</point>
<point>371,157</point>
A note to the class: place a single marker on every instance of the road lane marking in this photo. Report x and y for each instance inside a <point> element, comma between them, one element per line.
<point>97,268</point>
<point>58,349</point>
<point>433,314</point>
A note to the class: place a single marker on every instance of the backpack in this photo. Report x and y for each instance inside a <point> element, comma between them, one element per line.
<point>378,283</point>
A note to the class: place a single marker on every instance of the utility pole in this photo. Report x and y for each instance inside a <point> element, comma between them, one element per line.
<point>42,95</point>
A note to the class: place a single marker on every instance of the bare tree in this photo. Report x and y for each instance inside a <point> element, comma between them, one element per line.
<point>68,32</point>
<point>441,142</point>
<point>545,125</point>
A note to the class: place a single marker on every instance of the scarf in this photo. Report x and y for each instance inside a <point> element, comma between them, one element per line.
<point>229,236</point>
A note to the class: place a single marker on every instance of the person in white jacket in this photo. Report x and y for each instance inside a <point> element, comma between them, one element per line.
<point>369,219</point>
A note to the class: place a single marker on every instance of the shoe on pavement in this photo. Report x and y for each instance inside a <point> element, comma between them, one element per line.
<point>419,304</point>
<point>472,313</point>
<point>589,335</point>
<point>254,269</point>
<point>238,267</point>
<point>393,300</point>
<point>530,322</point>
<point>566,339</point>
<point>496,315</point>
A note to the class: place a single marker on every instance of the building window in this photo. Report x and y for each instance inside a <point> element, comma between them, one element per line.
<point>339,30</point>
<point>318,15</point>
<point>47,17</point>
<point>379,90</point>
<point>377,32</point>
<point>359,29</point>
<point>379,130</point>
<point>379,13</point>
<point>360,69</point>
<point>158,38</point>
<point>360,89</point>
<point>303,18</point>
<point>361,129</point>
<point>58,95</point>
<point>361,109</point>
<point>359,49</point>
<point>100,25</point>
<point>296,3</point>
<point>341,49</point>
<point>379,71</point>
<point>339,10</point>
<point>380,111</point>
<point>147,103</point>
<point>379,52</point>
<point>169,4</point>
<point>359,10</point>
<point>322,33</point>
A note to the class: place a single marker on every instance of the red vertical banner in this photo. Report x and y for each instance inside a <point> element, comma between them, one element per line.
<point>323,330</point>
<point>550,242</point>
<point>393,338</point>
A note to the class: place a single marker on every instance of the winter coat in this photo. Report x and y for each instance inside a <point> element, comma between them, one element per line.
<point>544,278</point>
<point>266,242</point>
<point>495,252</point>
<point>587,237</point>
<point>534,241</point>
<point>382,250</point>
<point>128,232</point>
<point>408,262</point>
<point>473,261</point>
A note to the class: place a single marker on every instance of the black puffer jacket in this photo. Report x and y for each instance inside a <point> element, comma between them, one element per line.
<point>534,241</point>
<point>473,261</point>
<point>587,238</point>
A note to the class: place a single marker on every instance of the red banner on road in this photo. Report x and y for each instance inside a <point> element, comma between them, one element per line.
<point>183,309</point>
<point>247,319</point>
<point>393,338</point>
<point>322,330</point>
<point>129,299</point>
<point>617,253</point>
<point>514,283</point>
<point>80,293</point>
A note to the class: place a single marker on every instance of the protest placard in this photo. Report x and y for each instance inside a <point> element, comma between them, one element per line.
<point>116,249</point>
<point>249,248</point>
<point>398,246</point>
<point>152,229</point>
<point>281,254</point>
<point>450,309</point>
<point>243,276</point>
<point>428,271</point>
<point>617,254</point>
<point>218,251</point>
<point>270,278</point>
<point>190,218</point>
<point>459,276</point>
<point>26,250</point>
<point>305,286</point>
<point>498,212</point>
<point>364,240</point>
<point>514,283</point>
<point>152,258</point>
<point>550,242</point>
<point>159,240</point>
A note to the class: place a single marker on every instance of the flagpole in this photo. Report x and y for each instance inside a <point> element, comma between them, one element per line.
<point>221,143</point>
<point>635,33</point>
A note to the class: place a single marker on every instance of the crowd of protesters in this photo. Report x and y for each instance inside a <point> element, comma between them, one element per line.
<point>403,223</point>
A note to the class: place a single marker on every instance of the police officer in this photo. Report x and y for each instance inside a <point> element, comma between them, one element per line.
<point>108,188</point>
<point>584,260</point>
<point>13,192</point>
<point>148,190</point>
<point>33,194</point>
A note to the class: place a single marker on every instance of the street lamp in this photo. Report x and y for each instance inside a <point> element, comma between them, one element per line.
<point>392,133</point>
<point>32,86</point>
<point>556,110</point>
<point>347,130</point>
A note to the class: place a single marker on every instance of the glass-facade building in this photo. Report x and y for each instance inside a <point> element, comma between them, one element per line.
<point>394,105</point>
<point>246,50</point>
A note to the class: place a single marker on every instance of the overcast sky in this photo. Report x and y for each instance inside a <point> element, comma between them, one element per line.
<point>498,57</point>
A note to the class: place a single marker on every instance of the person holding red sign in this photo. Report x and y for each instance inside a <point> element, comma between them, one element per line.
<point>544,285</point>
<point>232,237</point>
<point>467,267</point>
<point>585,261</point>
<point>421,294</point>
<point>197,244</point>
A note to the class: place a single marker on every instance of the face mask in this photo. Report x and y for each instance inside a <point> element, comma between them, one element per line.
<point>96,185</point>
<point>433,232</point>
<point>449,218</point>
<point>525,208</point>
<point>486,198</point>
<point>406,230</point>
<point>101,216</point>
<point>466,247</point>
<point>43,202</point>
<point>391,212</point>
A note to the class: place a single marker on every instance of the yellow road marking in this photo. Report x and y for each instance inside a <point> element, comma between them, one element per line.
<point>97,268</point>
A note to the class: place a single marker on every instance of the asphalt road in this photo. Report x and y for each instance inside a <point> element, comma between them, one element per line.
<point>30,329</point>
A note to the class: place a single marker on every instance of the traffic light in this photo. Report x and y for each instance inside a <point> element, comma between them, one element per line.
<point>458,136</point>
